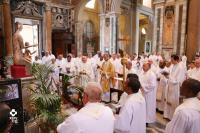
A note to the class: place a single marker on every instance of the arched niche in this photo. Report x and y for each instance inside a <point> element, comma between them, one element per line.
<point>83,17</point>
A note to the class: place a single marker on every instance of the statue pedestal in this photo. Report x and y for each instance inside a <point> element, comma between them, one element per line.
<point>18,71</point>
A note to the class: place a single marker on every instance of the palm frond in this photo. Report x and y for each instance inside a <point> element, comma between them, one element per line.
<point>46,103</point>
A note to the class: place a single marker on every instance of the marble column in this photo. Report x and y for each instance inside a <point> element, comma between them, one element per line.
<point>113,32</point>
<point>137,33</point>
<point>183,28</point>
<point>7,27</point>
<point>108,32</point>
<point>79,28</point>
<point>176,25</point>
<point>48,28</point>
<point>158,29</point>
<point>102,26</point>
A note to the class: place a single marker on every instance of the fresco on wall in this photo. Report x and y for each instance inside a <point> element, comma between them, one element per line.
<point>169,20</point>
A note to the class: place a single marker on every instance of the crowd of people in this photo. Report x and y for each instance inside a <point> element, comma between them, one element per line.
<point>159,82</point>
<point>152,83</point>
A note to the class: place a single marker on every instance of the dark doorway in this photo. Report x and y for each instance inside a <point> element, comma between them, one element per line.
<point>63,43</point>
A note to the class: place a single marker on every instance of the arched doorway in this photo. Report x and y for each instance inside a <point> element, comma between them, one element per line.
<point>90,42</point>
<point>88,27</point>
<point>62,43</point>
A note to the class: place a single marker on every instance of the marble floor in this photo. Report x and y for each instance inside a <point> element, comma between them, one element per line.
<point>158,126</point>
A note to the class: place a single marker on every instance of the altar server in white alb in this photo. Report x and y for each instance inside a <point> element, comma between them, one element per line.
<point>94,117</point>
<point>149,84</point>
<point>186,118</point>
<point>176,77</point>
<point>132,116</point>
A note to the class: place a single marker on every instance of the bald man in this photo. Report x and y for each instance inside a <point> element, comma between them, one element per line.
<point>92,117</point>
<point>149,83</point>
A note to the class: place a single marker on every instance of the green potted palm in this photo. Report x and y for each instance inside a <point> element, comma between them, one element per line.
<point>47,103</point>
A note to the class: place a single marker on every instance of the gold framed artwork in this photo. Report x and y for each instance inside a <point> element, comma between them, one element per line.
<point>148,47</point>
<point>169,21</point>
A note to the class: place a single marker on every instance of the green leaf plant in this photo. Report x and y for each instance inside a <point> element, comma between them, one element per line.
<point>46,102</point>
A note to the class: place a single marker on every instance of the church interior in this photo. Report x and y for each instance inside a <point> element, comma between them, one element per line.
<point>99,66</point>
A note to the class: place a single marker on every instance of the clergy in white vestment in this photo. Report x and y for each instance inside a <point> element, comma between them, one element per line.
<point>137,65</point>
<point>37,60</point>
<point>55,74</point>
<point>94,117</point>
<point>98,70</point>
<point>52,56</point>
<point>116,62</point>
<point>176,76</point>
<point>60,61</point>
<point>149,84</point>
<point>124,95</point>
<point>186,118</point>
<point>85,72</point>
<point>162,86</point>
<point>68,66</point>
<point>184,59</point>
<point>196,72</point>
<point>46,58</point>
<point>130,69</point>
<point>191,70</point>
<point>132,116</point>
<point>154,67</point>
<point>98,55</point>
<point>177,72</point>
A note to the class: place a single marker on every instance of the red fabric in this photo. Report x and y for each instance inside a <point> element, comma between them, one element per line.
<point>18,71</point>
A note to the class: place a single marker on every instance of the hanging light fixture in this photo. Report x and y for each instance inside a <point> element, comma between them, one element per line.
<point>144,31</point>
<point>90,4</point>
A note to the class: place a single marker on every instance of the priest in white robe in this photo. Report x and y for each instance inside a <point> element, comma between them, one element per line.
<point>149,84</point>
<point>60,61</point>
<point>184,59</point>
<point>129,69</point>
<point>85,72</point>
<point>97,72</point>
<point>132,116</point>
<point>176,76</point>
<point>46,58</point>
<point>162,86</point>
<point>69,66</point>
<point>196,71</point>
<point>161,92</point>
<point>191,70</point>
<point>186,118</point>
<point>37,60</point>
<point>94,117</point>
